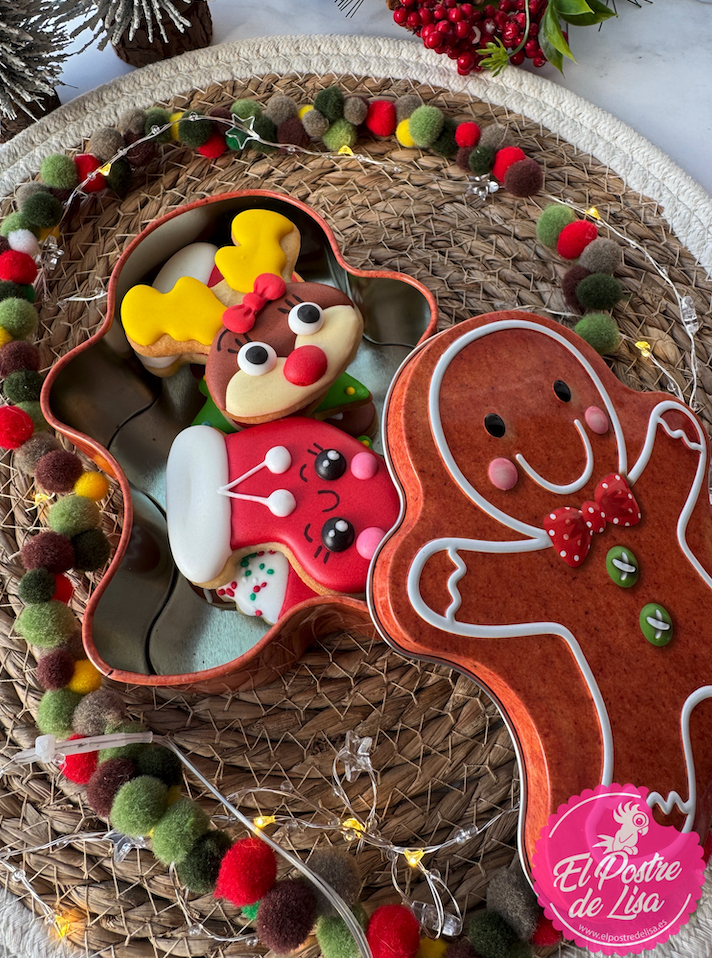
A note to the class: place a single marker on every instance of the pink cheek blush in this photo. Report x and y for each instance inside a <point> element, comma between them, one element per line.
<point>368,541</point>
<point>503,474</point>
<point>596,420</point>
<point>364,465</point>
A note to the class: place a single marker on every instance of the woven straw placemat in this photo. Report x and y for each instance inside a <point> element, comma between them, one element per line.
<point>443,757</point>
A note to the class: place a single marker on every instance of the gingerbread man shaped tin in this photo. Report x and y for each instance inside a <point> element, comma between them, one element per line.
<point>555,544</point>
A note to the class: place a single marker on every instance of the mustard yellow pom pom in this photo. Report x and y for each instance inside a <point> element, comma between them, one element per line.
<point>432,948</point>
<point>173,794</point>
<point>92,485</point>
<point>5,337</point>
<point>303,110</point>
<point>403,134</point>
<point>86,678</point>
<point>46,231</point>
<point>175,119</point>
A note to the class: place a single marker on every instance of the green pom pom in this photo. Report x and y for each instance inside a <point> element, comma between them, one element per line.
<point>178,830</point>
<point>36,586</point>
<point>58,170</point>
<point>425,125</point>
<point>599,291</point>
<point>24,385</point>
<point>481,160</point>
<point>18,317</point>
<point>600,331</point>
<point>330,102</point>
<point>552,219</point>
<point>340,133</point>
<point>72,515</point>
<point>250,911</point>
<point>245,108</point>
<point>139,805</point>
<point>9,290</point>
<point>161,762</point>
<point>446,144</point>
<point>47,625</point>
<point>265,128</point>
<point>91,550</point>
<point>199,869</point>
<point>42,210</point>
<point>119,176</point>
<point>490,934</point>
<point>17,221</point>
<point>131,751</point>
<point>54,715</point>
<point>194,132</point>
<point>521,949</point>
<point>236,138</point>
<point>34,411</point>
<point>335,938</point>
<point>158,117</point>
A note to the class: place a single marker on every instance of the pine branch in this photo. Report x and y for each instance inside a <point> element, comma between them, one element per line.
<point>31,53</point>
<point>110,19</point>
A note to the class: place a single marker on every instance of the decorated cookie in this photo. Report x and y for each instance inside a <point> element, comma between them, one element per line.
<point>556,545</point>
<point>281,350</point>
<point>175,320</point>
<point>299,487</point>
<point>265,585</point>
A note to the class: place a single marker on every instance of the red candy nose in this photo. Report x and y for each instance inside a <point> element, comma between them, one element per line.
<point>305,365</point>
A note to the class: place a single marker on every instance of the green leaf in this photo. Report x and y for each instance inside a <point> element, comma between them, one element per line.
<point>551,53</point>
<point>572,8</point>
<point>550,32</point>
<point>599,13</point>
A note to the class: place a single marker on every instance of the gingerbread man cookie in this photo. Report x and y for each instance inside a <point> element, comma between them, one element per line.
<point>298,487</point>
<point>555,543</point>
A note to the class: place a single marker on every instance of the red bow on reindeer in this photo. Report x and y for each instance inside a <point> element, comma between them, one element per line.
<point>571,530</point>
<point>241,318</point>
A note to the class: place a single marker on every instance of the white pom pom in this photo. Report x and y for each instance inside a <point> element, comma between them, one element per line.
<point>24,241</point>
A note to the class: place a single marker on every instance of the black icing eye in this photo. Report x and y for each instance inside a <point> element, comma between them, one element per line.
<point>330,465</point>
<point>337,534</point>
<point>494,425</point>
<point>562,390</point>
<point>305,319</point>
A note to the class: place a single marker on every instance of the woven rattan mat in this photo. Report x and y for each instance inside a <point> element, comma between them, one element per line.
<point>444,759</point>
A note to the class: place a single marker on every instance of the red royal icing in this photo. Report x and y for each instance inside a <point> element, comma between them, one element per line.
<point>305,366</point>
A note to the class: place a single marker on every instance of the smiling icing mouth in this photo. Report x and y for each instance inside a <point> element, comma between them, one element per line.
<point>571,486</point>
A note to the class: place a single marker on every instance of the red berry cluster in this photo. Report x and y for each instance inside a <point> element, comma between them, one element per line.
<point>461,29</point>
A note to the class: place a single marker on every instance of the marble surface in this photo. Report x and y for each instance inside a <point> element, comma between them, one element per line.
<point>650,67</point>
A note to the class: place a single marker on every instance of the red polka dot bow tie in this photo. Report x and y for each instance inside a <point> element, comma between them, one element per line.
<point>571,530</point>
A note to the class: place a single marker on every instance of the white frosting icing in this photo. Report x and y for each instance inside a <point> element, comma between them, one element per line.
<point>568,487</point>
<point>260,584</point>
<point>198,518</point>
<point>196,260</point>
<point>281,502</point>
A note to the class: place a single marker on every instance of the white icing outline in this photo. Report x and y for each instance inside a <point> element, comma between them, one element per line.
<point>571,486</point>
<point>277,502</point>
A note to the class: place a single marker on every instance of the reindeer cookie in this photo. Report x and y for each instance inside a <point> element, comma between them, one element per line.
<point>555,543</point>
<point>295,508</point>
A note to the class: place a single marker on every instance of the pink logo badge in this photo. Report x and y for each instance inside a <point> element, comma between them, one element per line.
<point>610,877</point>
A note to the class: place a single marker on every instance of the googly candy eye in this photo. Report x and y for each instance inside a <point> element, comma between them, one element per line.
<point>305,319</point>
<point>337,534</point>
<point>330,465</point>
<point>256,359</point>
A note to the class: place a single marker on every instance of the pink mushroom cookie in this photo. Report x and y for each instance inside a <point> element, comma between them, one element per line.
<point>299,497</point>
<point>556,545</point>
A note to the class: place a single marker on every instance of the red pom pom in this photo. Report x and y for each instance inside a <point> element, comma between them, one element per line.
<point>467,134</point>
<point>64,590</point>
<point>504,158</point>
<point>247,872</point>
<point>48,550</point>
<point>545,934</point>
<point>86,164</point>
<point>381,118</point>
<point>18,267</point>
<point>393,932</point>
<point>574,238</point>
<point>58,471</point>
<point>214,146</point>
<point>79,768</point>
<point>16,427</point>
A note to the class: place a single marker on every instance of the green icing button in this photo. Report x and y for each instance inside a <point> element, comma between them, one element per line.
<point>622,566</point>
<point>656,624</point>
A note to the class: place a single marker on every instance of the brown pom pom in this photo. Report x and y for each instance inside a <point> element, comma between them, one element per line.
<point>292,131</point>
<point>28,189</point>
<point>355,109</point>
<point>462,158</point>
<point>133,121</point>
<point>17,356</point>
<point>48,550</point>
<point>406,106</point>
<point>142,153</point>
<point>524,178</point>
<point>98,711</point>
<point>58,471</point>
<point>105,143</point>
<point>496,136</point>
<point>36,448</point>
<point>286,916</point>
<point>568,285</point>
<point>280,108</point>
<point>55,670</point>
<point>338,869</point>
<point>222,113</point>
<point>315,123</point>
<point>105,783</point>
